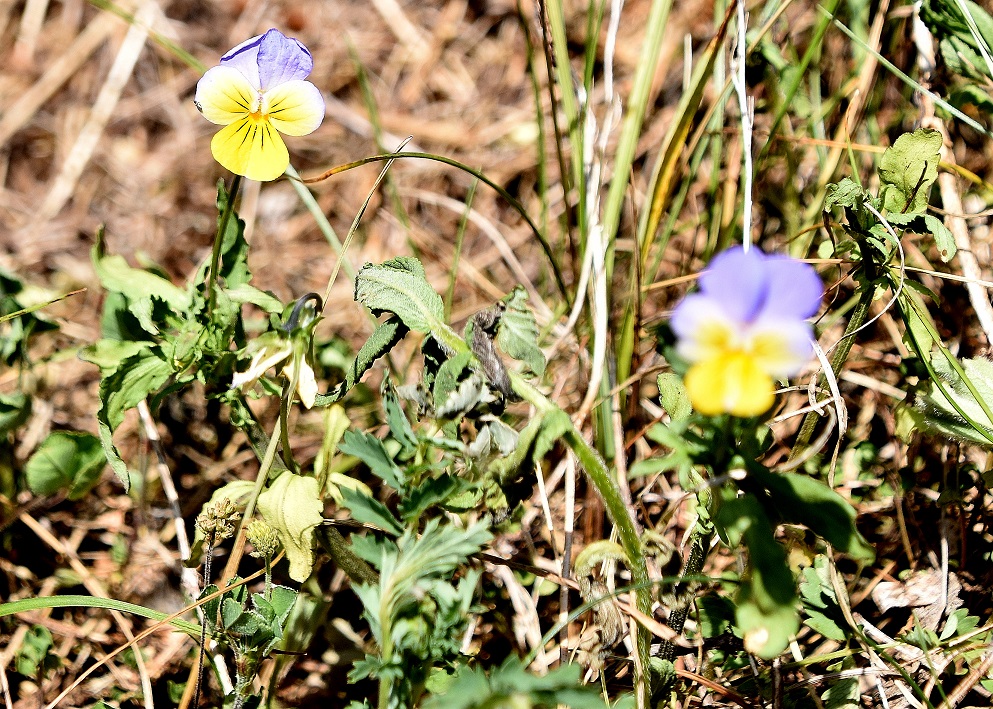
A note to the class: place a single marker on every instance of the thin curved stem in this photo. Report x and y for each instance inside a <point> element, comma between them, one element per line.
<point>215,256</point>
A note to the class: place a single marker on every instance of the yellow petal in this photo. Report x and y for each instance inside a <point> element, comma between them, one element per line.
<point>224,95</point>
<point>251,148</point>
<point>731,383</point>
<point>294,107</point>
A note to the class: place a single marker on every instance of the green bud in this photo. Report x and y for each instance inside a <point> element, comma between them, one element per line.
<point>263,537</point>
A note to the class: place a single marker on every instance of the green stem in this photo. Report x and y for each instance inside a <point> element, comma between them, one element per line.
<point>859,315</point>
<point>354,566</point>
<point>215,256</point>
<point>231,568</point>
<point>699,546</point>
<point>618,511</point>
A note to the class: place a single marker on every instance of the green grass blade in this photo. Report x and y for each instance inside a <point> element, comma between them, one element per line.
<point>48,602</point>
<point>916,86</point>
<point>797,78</point>
<point>634,116</point>
<point>675,140</point>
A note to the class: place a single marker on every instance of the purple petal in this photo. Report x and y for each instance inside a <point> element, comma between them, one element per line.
<point>794,288</point>
<point>245,58</point>
<point>282,59</point>
<point>738,281</point>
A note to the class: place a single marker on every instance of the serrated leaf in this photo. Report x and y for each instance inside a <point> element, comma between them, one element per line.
<point>907,170</point>
<point>845,193</point>
<point>234,249</point>
<point>292,506</point>
<point>820,623</point>
<point>371,451</point>
<point>399,286</point>
<point>433,491</point>
<point>517,333</point>
<point>369,510</point>
<point>67,460</point>
<point>383,339</point>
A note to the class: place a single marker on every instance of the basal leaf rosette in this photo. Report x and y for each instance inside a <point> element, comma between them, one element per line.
<point>745,328</point>
<point>257,92</point>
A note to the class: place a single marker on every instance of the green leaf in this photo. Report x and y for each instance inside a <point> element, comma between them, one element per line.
<point>958,44</point>
<point>799,499</point>
<point>843,694</point>
<point>234,249</point>
<point>433,491</point>
<point>369,510</point>
<point>845,193</point>
<point>35,657</point>
<point>15,408</point>
<point>140,287</point>
<point>943,237</point>
<point>108,354</point>
<point>510,685</point>
<point>397,420</point>
<point>517,333</point>
<point>371,451</point>
<point>67,460</point>
<point>766,614</point>
<point>939,415</point>
<point>245,293</point>
<point>400,286</point>
<point>383,339</point>
<point>674,398</point>
<point>294,507</point>
<point>907,170</point>
<point>134,379</point>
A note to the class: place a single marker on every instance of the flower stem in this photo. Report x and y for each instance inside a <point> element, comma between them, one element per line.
<point>620,515</point>
<point>215,256</point>
<point>238,550</point>
<point>857,320</point>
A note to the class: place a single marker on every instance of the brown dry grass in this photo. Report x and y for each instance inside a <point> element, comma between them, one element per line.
<point>453,76</point>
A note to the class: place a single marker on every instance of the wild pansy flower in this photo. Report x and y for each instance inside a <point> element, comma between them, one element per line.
<point>256,93</point>
<point>745,327</point>
<point>271,350</point>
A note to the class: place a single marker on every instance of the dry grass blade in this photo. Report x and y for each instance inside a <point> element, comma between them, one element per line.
<point>82,150</point>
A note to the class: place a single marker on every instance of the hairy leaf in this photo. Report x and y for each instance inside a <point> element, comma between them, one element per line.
<point>907,170</point>
<point>371,451</point>
<point>517,332</point>
<point>399,286</point>
<point>369,510</point>
<point>383,339</point>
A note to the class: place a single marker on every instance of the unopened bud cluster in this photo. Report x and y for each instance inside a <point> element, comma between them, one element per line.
<point>217,521</point>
